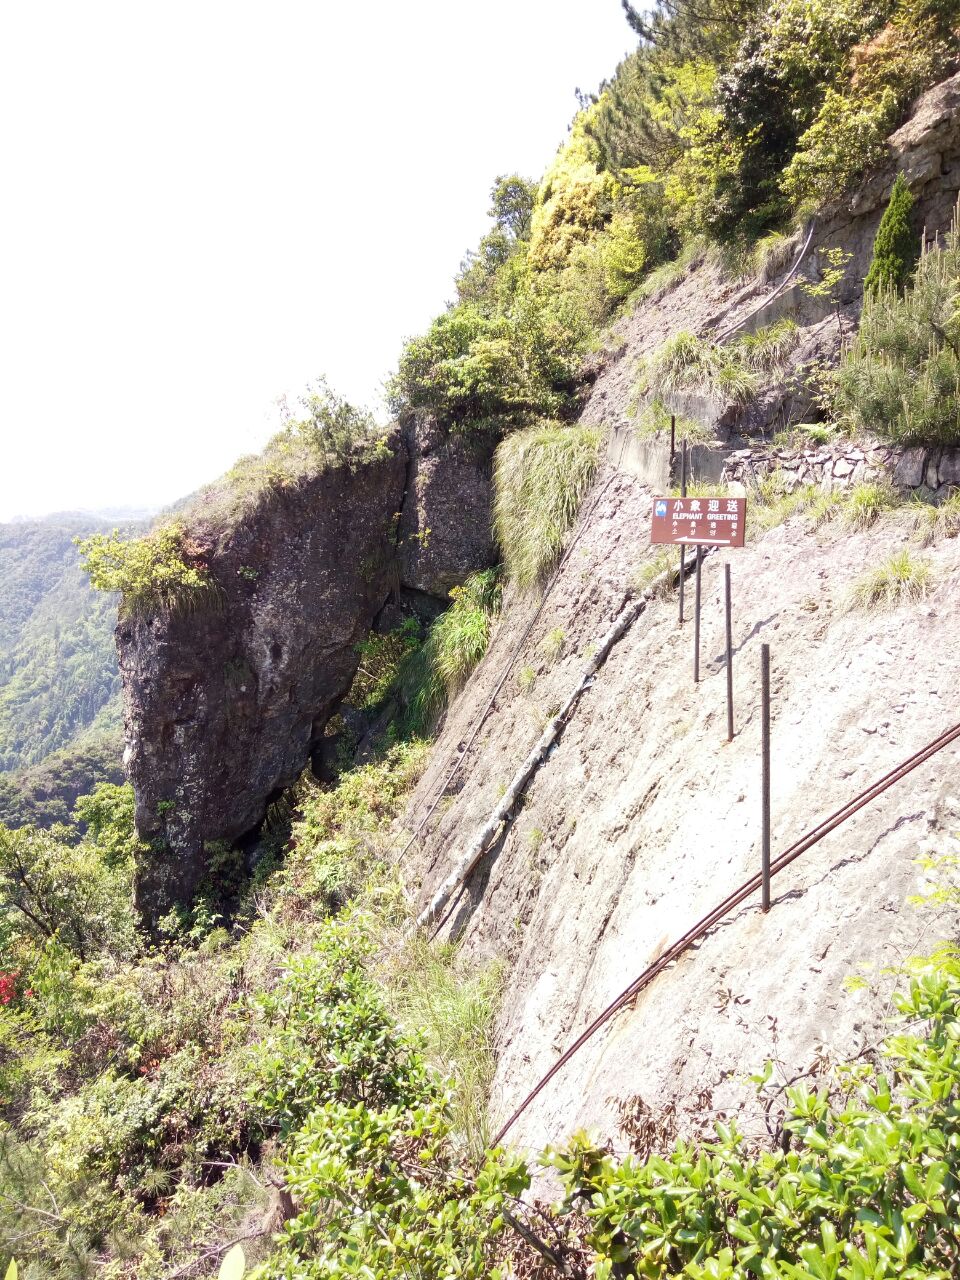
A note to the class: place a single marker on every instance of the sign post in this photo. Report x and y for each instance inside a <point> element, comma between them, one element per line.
<point>699,522</point>
<point>765,777</point>
<point>683,549</point>
<point>696,619</point>
<point>729,628</point>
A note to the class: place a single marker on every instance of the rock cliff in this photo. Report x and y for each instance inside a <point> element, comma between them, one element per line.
<point>642,817</point>
<point>224,705</point>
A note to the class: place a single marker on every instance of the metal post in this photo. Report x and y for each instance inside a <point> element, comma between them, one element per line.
<point>765,751</point>
<point>696,620</point>
<point>683,549</point>
<point>673,437</point>
<point>729,620</point>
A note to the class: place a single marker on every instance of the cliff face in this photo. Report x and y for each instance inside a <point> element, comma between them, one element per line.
<point>222,706</point>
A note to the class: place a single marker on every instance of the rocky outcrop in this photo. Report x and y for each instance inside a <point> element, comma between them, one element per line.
<point>445,529</point>
<point>223,705</point>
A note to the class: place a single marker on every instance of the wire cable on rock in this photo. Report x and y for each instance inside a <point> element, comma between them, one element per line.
<point>726,906</point>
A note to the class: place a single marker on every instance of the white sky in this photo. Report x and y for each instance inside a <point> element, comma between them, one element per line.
<point>208,203</point>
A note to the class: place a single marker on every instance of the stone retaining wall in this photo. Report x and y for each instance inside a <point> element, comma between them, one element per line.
<point>929,472</point>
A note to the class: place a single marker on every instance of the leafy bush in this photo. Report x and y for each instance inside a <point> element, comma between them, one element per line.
<point>540,478</point>
<point>903,579</point>
<point>481,372</point>
<point>846,139</point>
<point>901,377</point>
<point>894,249</point>
<point>381,658</point>
<point>371,1163</point>
<point>156,573</point>
<point>54,890</point>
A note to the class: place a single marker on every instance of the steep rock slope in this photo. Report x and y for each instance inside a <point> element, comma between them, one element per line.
<point>643,818</point>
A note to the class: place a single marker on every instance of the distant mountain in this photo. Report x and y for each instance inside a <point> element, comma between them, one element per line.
<point>59,684</point>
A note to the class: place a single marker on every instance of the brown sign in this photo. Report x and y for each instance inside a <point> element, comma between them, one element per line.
<point>707,522</point>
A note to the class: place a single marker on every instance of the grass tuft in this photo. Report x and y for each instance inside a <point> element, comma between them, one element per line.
<point>653,567</point>
<point>540,477</point>
<point>901,580</point>
<point>728,372</point>
<point>864,504</point>
<point>434,992</point>
<point>553,644</point>
<point>933,521</point>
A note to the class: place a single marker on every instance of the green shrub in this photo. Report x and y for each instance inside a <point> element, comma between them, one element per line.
<point>846,139</point>
<point>901,377</point>
<point>901,580</point>
<point>540,478</point>
<point>157,573</point>
<point>895,246</point>
<point>456,642</point>
<point>371,1160</point>
<point>381,659</point>
<point>480,371</point>
<point>54,889</point>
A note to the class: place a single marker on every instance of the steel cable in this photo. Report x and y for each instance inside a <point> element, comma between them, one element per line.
<point>734,899</point>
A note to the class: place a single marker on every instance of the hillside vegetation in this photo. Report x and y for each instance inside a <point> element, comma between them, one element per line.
<point>59,684</point>
<point>284,1067</point>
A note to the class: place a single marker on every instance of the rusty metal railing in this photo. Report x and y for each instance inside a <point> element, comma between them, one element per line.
<point>724,908</point>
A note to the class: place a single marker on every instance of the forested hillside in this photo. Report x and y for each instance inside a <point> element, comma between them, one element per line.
<point>59,684</point>
<point>413,804</point>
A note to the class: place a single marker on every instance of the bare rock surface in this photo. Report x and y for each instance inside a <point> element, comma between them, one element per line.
<point>445,531</point>
<point>643,818</point>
